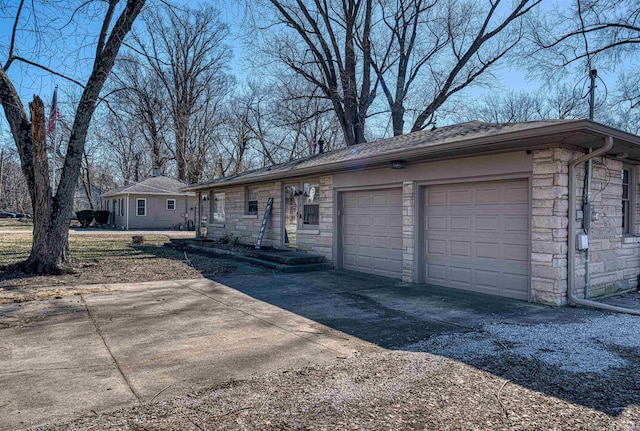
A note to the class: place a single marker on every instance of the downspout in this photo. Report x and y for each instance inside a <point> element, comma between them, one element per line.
<point>572,235</point>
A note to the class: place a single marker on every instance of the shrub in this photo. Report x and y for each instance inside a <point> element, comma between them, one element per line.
<point>85,217</point>
<point>101,217</point>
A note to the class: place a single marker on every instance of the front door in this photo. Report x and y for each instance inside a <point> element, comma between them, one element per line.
<point>290,214</point>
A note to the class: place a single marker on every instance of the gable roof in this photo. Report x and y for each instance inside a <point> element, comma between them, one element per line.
<point>151,186</point>
<point>474,137</point>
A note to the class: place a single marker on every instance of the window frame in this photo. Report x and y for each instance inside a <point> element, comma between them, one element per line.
<point>138,200</point>
<point>167,204</point>
<point>628,204</point>
<point>315,203</point>
<point>248,200</point>
<point>217,198</point>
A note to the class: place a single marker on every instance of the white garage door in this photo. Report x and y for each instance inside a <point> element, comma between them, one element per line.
<point>477,237</point>
<point>372,232</point>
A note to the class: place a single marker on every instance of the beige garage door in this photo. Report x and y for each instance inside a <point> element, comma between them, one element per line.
<point>477,237</point>
<point>372,232</point>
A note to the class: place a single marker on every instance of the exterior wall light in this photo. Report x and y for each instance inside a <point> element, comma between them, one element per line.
<point>398,164</point>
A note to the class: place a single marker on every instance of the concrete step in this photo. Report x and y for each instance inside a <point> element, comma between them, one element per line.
<point>286,257</point>
<point>284,261</point>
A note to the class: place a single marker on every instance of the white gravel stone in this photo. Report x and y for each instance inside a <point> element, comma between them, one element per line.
<point>584,347</point>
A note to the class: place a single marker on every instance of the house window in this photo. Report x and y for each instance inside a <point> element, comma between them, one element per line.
<point>121,207</point>
<point>106,206</point>
<point>311,205</point>
<point>218,207</point>
<point>141,207</point>
<point>251,205</point>
<point>626,200</point>
<point>171,204</point>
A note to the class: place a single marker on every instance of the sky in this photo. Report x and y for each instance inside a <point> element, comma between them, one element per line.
<point>57,54</point>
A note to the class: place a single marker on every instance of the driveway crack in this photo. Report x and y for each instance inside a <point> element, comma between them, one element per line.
<point>104,342</point>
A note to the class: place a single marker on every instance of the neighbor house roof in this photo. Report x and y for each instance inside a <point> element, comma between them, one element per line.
<point>464,139</point>
<point>151,186</point>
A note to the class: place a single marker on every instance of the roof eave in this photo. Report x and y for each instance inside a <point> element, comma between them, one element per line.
<point>511,140</point>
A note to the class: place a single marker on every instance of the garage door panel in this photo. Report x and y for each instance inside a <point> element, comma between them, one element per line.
<point>437,223</point>
<point>517,194</point>
<point>436,247</point>
<point>460,248</point>
<point>516,224</point>
<point>436,198</point>
<point>487,223</point>
<point>516,253</point>
<point>515,282</point>
<point>477,237</point>
<point>459,223</point>
<point>487,196</point>
<point>485,250</point>
<point>460,275</point>
<point>487,279</point>
<point>378,248</point>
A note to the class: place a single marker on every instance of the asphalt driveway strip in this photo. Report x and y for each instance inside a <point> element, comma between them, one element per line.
<point>84,355</point>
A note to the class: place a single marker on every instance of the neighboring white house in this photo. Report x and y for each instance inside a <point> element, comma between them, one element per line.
<point>155,203</point>
<point>477,206</point>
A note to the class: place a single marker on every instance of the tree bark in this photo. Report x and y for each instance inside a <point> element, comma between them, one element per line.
<point>51,213</point>
<point>50,236</point>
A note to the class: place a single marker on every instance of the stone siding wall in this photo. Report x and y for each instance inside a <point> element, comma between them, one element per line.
<point>247,227</point>
<point>613,265</point>
<point>408,231</point>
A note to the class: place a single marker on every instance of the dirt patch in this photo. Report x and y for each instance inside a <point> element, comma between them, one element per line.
<point>101,259</point>
<point>391,391</point>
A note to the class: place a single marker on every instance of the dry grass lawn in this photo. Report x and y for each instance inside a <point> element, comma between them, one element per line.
<point>102,258</point>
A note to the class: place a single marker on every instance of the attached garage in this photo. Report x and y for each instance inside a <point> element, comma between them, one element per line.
<point>372,231</point>
<point>477,237</point>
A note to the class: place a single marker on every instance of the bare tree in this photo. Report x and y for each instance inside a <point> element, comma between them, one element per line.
<point>327,43</point>
<point>603,34</point>
<point>138,100</point>
<point>15,194</point>
<point>51,213</point>
<point>185,50</point>
<point>560,102</point>
<point>125,148</point>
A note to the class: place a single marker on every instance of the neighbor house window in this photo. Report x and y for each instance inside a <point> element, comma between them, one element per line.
<point>251,202</point>
<point>311,204</point>
<point>218,207</point>
<point>121,207</point>
<point>626,200</point>
<point>171,204</point>
<point>141,207</point>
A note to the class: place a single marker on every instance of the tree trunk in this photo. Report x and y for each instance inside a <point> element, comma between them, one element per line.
<point>50,228</point>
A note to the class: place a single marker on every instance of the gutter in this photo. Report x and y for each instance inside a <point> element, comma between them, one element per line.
<point>571,298</point>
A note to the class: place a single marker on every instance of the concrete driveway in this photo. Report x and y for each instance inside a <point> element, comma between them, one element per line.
<point>81,355</point>
<point>85,354</point>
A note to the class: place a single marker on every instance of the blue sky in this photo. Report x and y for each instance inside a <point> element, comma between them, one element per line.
<point>32,81</point>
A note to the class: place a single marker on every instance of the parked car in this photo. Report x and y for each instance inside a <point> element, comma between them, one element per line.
<point>7,214</point>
